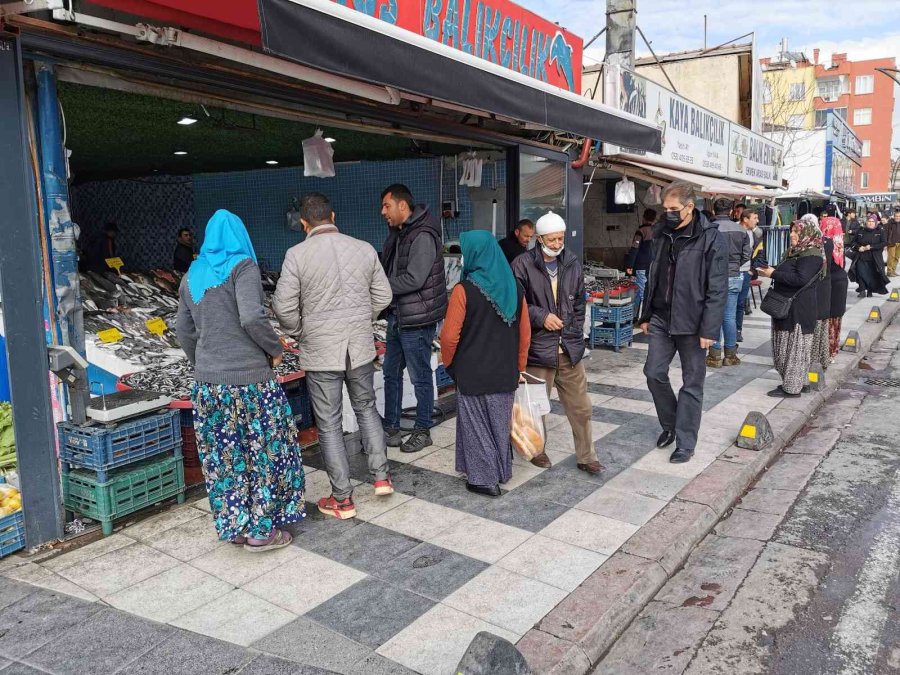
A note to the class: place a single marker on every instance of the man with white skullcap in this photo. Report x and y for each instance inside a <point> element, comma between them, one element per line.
<point>554,291</point>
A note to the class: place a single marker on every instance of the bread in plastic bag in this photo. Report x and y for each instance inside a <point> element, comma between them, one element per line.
<point>624,191</point>
<point>317,157</point>
<point>526,430</point>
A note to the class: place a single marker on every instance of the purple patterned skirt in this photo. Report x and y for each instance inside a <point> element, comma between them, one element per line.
<point>483,451</point>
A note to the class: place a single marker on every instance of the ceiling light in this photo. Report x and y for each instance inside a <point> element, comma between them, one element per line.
<point>180,152</point>
<point>187,120</point>
<point>273,162</point>
<point>329,140</point>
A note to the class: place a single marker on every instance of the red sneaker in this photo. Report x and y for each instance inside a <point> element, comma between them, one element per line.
<point>384,487</point>
<point>339,509</point>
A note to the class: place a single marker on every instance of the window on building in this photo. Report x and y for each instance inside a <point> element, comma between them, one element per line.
<point>862,116</point>
<point>864,180</point>
<point>796,121</point>
<point>865,84</point>
<point>797,92</point>
<point>867,148</point>
<point>822,115</point>
<point>829,89</point>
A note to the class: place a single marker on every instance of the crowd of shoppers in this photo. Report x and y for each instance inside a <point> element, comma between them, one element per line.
<point>519,308</point>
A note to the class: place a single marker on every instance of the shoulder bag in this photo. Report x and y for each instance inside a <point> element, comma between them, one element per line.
<point>778,306</point>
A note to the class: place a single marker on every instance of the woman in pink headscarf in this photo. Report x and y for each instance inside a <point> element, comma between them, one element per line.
<point>833,239</point>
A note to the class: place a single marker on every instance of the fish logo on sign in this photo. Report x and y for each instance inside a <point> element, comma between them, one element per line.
<point>561,57</point>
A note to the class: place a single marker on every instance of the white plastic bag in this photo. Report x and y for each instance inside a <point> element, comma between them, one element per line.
<point>526,430</point>
<point>317,157</point>
<point>654,195</point>
<point>624,191</point>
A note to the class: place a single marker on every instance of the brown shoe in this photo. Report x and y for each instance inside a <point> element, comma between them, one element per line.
<point>542,461</point>
<point>592,468</point>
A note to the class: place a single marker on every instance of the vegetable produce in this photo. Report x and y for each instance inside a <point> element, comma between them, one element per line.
<point>7,439</point>
<point>10,500</point>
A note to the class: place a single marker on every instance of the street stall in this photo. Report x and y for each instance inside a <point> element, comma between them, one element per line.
<point>140,119</point>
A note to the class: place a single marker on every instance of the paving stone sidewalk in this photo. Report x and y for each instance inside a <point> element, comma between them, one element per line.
<point>407,585</point>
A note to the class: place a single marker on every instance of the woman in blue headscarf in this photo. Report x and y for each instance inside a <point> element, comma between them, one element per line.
<point>484,345</point>
<point>245,432</point>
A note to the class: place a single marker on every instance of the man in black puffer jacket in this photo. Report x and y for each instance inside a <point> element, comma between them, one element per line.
<point>683,310</point>
<point>554,291</point>
<point>413,260</point>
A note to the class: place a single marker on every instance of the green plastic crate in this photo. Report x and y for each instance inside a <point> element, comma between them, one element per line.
<point>127,490</point>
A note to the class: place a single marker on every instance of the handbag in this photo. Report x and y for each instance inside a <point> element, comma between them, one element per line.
<point>778,306</point>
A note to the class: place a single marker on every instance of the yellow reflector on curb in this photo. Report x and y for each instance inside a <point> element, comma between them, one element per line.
<point>814,377</point>
<point>851,342</point>
<point>748,431</point>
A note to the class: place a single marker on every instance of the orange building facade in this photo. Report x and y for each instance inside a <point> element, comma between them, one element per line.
<point>864,97</point>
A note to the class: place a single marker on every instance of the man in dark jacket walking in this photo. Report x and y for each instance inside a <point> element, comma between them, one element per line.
<point>415,268</point>
<point>739,252</point>
<point>516,243</point>
<point>637,262</point>
<point>683,311</point>
<point>554,292</point>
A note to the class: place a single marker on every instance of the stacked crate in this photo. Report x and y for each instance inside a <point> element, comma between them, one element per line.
<point>612,323</point>
<point>109,471</point>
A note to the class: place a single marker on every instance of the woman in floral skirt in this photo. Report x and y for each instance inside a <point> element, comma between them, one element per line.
<point>246,437</point>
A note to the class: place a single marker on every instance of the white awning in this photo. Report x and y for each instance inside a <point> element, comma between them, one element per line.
<point>706,185</point>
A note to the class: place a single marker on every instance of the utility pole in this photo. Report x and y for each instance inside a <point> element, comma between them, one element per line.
<point>621,22</point>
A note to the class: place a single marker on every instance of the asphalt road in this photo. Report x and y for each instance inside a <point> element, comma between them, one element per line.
<point>802,577</point>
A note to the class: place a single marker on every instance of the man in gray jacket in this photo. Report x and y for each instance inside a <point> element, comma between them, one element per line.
<point>739,251</point>
<point>331,288</point>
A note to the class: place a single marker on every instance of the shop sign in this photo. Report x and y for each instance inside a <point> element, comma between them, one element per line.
<point>842,138</point>
<point>693,138</point>
<point>498,31</point>
<point>876,197</point>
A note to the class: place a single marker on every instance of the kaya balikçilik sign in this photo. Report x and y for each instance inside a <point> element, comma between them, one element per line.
<point>693,138</point>
<point>498,31</point>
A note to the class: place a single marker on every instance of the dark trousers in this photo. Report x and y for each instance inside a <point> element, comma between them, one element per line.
<point>742,300</point>
<point>681,414</point>
<point>408,348</point>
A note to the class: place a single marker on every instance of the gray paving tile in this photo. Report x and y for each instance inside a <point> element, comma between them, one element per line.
<point>431,571</point>
<point>418,482</point>
<point>375,664</point>
<point>620,392</point>
<point>265,664</point>
<point>310,643</point>
<point>564,483</point>
<point>21,669</point>
<point>637,435</point>
<point>317,528</point>
<point>617,417</point>
<point>37,619</point>
<point>523,508</point>
<point>12,591</point>
<point>366,547</point>
<point>191,654</point>
<point>115,638</point>
<point>371,611</point>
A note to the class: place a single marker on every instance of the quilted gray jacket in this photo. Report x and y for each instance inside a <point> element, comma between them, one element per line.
<point>331,288</point>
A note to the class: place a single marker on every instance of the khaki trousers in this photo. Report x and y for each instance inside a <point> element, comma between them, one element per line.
<point>571,384</point>
<point>892,258</point>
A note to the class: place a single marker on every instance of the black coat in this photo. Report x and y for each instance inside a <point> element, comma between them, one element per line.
<point>789,277</point>
<point>700,285</point>
<point>511,248</point>
<point>823,287</point>
<point>868,268</point>
<point>892,233</point>
<point>530,271</point>
<point>839,285</point>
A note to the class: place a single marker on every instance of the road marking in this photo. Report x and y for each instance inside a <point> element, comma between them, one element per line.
<point>857,636</point>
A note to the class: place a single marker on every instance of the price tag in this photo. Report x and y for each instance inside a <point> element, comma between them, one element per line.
<point>156,326</point>
<point>110,335</point>
<point>115,264</point>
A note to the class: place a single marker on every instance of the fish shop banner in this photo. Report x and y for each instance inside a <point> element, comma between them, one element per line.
<point>693,138</point>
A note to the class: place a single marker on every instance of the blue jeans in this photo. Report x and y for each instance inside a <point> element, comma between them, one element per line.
<point>729,325</point>
<point>408,348</point>
<point>742,300</point>
<point>640,278</point>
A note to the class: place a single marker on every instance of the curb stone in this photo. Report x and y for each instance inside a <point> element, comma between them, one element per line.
<point>574,636</point>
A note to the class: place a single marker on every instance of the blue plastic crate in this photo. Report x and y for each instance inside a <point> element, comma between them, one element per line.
<point>12,533</point>
<point>102,448</point>
<point>610,336</point>
<point>298,398</point>
<point>442,377</point>
<point>621,314</point>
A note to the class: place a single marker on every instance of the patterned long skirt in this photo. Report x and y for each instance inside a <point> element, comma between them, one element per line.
<point>820,353</point>
<point>483,451</point>
<point>251,460</point>
<point>792,353</point>
<point>834,335</point>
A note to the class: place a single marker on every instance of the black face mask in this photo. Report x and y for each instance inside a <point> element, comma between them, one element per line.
<point>673,219</point>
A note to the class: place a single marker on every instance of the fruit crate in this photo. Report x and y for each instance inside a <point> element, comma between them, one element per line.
<point>612,314</point>
<point>127,490</point>
<point>442,378</point>
<point>611,336</point>
<point>298,398</point>
<point>189,451</point>
<point>12,533</point>
<point>103,448</point>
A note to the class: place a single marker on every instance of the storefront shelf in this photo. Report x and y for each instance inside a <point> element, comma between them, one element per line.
<point>127,490</point>
<point>12,533</point>
<point>102,448</point>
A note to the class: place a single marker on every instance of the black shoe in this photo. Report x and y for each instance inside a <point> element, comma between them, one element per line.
<point>869,294</point>
<point>740,336</point>
<point>779,392</point>
<point>486,490</point>
<point>666,438</point>
<point>393,438</point>
<point>680,456</point>
<point>805,389</point>
<point>420,439</point>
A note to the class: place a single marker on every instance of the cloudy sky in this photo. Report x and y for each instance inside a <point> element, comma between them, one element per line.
<point>864,29</point>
